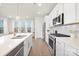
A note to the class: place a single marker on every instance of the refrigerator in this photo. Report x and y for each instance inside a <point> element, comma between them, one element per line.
<point>44,31</point>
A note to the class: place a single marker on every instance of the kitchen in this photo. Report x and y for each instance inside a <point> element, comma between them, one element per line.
<point>63,32</point>
<point>55,24</point>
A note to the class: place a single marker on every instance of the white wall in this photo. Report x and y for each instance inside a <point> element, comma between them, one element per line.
<point>38,27</point>
<point>46,20</point>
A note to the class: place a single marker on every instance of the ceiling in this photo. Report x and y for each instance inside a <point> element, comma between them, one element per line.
<point>25,10</point>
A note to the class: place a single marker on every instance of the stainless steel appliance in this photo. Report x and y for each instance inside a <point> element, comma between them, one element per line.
<point>59,20</point>
<point>52,40</point>
<point>43,30</point>
<point>52,43</point>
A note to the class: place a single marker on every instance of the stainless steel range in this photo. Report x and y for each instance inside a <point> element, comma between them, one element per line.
<point>52,40</point>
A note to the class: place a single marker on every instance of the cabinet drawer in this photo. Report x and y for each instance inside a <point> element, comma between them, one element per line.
<point>70,48</point>
<point>76,52</point>
<point>71,51</point>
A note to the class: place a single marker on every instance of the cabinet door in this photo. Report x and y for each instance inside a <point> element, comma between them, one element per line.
<point>26,47</point>
<point>59,48</point>
<point>29,44</point>
<point>70,51</point>
<point>77,11</point>
<point>69,13</point>
<point>60,8</point>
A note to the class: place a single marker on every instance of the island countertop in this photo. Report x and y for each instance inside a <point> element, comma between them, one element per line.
<point>7,44</point>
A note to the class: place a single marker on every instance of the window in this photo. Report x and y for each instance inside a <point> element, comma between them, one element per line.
<point>29,24</point>
<point>22,26</point>
<point>1,26</point>
<point>15,26</point>
<point>19,26</point>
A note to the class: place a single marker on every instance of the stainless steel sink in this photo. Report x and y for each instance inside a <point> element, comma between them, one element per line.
<point>19,37</point>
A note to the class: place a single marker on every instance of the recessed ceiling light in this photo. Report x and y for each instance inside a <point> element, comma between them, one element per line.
<point>17,17</point>
<point>10,16</point>
<point>38,12</point>
<point>27,16</point>
<point>39,4</point>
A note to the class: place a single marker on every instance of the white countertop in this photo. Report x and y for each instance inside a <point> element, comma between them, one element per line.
<point>7,44</point>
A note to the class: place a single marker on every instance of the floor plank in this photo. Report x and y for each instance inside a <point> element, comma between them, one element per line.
<point>39,48</point>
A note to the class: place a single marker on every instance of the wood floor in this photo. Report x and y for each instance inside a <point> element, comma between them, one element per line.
<point>39,48</point>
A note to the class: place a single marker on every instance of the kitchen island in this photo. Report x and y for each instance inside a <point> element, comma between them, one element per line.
<point>20,46</point>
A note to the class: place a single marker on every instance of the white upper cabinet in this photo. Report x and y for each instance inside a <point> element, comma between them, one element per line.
<point>60,8</point>
<point>77,12</point>
<point>69,13</point>
<point>51,16</point>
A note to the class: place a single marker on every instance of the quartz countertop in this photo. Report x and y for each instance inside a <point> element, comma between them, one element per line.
<point>7,44</point>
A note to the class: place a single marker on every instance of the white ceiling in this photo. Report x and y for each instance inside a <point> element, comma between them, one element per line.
<point>25,9</point>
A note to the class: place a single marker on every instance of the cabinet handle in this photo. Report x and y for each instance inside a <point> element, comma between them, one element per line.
<point>76,54</point>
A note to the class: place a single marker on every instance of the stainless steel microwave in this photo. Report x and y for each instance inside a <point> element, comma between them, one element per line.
<point>59,20</point>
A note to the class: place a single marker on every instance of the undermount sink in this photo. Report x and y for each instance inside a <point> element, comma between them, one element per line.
<point>19,37</point>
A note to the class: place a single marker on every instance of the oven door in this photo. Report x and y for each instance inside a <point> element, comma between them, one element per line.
<point>52,44</point>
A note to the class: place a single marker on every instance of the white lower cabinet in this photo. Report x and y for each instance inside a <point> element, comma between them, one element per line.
<point>70,51</point>
<point>64,49</point>
<point>27,45</point>
<point>59,48</point>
